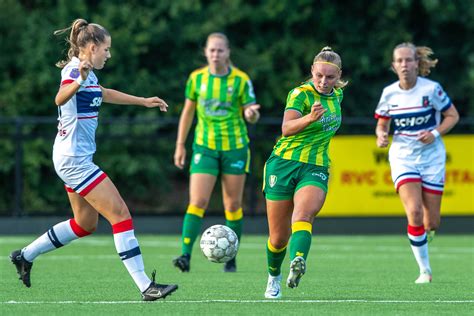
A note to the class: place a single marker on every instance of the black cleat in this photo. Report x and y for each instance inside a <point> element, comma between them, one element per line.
<point>230,266</point>
<point>23,267</point>
<point>183,262</point>
<point>156,291</point>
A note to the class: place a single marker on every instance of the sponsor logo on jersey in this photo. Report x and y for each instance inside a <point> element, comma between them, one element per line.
<point>273,180</point>
<point>412,121</point>
<point>96,102</point>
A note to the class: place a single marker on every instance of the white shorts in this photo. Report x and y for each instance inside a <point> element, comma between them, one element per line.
<point>79,174</point>
<point>431,176</point>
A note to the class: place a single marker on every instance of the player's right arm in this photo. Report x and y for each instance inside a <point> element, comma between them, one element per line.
<point>294,122</point>
<point>185,122</point>
<point>381,131</point>
<point>67,91</point>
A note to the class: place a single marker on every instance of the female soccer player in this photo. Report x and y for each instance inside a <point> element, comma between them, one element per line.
<point>417,155</point>
<point>223,96</point>
<point>89,189</point>
<point>296,174</point>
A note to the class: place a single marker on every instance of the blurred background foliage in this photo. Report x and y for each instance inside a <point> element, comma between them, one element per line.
<point>156,44</point>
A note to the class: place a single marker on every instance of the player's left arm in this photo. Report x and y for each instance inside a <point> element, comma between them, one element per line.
<point>450,118</point>
<point>117,97</point>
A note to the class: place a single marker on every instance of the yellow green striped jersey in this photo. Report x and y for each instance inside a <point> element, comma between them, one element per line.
<point>219,103</point>
<point>311,144</point>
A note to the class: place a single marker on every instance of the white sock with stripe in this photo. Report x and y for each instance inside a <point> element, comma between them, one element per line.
<point>59,235</point>
<point>129,251</point>
<point>419,246</point>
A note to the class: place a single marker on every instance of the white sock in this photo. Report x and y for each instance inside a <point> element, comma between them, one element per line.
<point>129,251</point>
<point>419,246</point>
<point>59,235</point>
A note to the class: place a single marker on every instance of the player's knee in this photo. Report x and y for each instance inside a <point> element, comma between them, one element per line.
<point>232,206</point>
<point>278,242</point>
<point>120,211</point>
<point>201,203</point>
<point>432,225</point>
<point>89,225</point>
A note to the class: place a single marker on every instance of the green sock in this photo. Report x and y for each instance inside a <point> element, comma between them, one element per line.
<point>234,221</point>
<point>191,229</point>
<point>275,259</point>
<point>236,226</point>
<point>299,244</point>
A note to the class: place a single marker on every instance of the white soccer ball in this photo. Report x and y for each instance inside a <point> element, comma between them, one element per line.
<point>219,243</point>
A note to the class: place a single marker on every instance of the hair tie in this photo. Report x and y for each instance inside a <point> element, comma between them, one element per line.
<point>328,63</point>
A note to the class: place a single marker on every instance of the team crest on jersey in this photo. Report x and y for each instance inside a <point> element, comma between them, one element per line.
<point>426,101</point>
<point>75,73</point>
<point>230,90</point>
<point>197,158</point>
<point>273,180</point>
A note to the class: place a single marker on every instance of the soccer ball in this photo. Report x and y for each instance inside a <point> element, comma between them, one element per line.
<point>219,243</point>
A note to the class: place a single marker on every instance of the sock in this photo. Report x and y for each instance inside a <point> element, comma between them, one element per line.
<point>419,246</point>
<point>234,221</point>
<point>300,241</point>
<point>191,227</point>
<point>275,259</point>
<point>59,235</point>
<point>129,251</point>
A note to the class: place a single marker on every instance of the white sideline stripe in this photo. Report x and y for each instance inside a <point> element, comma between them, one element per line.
<point>242,301</point>
<point>50,257</point>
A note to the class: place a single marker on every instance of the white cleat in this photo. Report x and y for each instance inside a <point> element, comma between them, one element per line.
<point>425,277</point>
<point>273,287</point>
<point>297,270</point>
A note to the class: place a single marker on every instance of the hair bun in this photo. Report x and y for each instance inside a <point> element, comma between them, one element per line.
<point>326,49</point>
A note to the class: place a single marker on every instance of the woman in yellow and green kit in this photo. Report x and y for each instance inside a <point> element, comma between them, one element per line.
<point>222,96</point>
<point>296,174</point>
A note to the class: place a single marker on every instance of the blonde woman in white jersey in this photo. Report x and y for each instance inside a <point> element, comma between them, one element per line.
<point>89,190</point>
<point>422,112</point>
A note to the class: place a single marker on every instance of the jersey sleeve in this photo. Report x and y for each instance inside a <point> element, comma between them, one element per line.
<point>383,110</point>
<point>295,100</point>
<point>69,74</point>
<point>190,92</point>
<point>248,95</point>
<point>440,100</point>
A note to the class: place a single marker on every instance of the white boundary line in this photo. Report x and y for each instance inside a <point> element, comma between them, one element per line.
<point>242,301</point>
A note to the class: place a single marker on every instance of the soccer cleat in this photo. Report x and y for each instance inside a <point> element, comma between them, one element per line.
<point>23,267</point>
<point>273,287</point>
<point>230,266</point>
<point>183,262</point>
<point>425,277</point>
<point>156,291</point>
<point>297,270</point>
<point>430,235</point>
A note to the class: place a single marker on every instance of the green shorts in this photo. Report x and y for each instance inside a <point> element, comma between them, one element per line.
<point>282,178</point>
<point>205,160</point>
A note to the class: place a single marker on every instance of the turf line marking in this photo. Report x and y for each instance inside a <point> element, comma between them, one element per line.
<point>241,301</point>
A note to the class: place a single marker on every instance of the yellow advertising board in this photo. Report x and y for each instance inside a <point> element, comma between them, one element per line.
<point>361,185</point>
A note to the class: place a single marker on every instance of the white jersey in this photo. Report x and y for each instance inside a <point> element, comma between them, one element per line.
<point>413,111</point>
<point>78,118</point>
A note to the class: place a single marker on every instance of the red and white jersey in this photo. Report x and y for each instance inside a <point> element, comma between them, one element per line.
<point>411,112</point>
<point>78,118</point>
